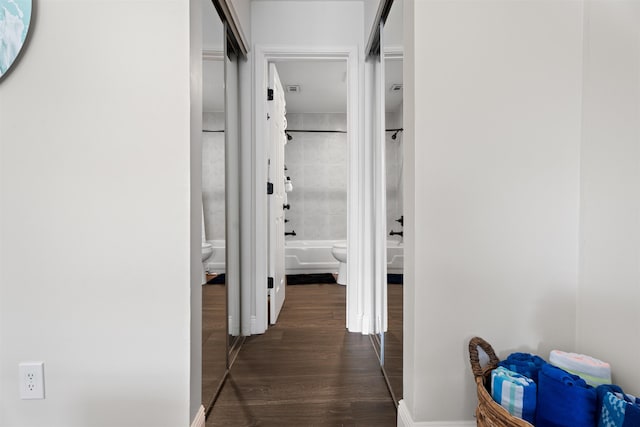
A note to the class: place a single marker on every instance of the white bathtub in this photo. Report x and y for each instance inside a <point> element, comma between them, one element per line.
<point>395,257</point>
<point>314,256</point>
<point>309,257</point>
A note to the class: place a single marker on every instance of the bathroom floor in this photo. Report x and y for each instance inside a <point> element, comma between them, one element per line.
<point>306,370</point>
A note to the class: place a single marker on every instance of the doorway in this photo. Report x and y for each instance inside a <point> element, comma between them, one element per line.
<point>357,318</point>
<point>310,182</point>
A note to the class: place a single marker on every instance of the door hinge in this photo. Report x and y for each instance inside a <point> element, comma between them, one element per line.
<point>269,187</point>
<point>269,282</point>
<point>269,94</point>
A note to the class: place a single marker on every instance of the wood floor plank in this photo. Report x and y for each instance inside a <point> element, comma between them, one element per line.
<point>306,371</point>
<point>214,352</point>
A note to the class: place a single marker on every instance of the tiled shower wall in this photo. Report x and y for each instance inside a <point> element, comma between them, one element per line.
<point>317,165</point>
<point>394,173</point>
<point>213,176</point>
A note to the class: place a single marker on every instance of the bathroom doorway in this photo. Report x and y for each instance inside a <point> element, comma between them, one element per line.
<point>323,128</point>
<point>315,169</point>
<point>310,183</point>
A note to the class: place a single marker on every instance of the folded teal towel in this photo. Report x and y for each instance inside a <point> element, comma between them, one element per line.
<point>515,393</point>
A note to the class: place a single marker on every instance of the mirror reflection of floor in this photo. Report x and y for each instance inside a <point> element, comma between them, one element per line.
<point>393,340</point>
<point>213,338</point>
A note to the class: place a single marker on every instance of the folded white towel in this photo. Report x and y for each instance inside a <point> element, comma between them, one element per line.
<point>594,371</point>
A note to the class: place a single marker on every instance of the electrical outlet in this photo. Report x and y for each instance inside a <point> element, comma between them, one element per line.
<point>31,380</point>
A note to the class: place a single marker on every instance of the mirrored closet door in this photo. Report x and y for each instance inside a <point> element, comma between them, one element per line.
<point>221,323</point>
<point>232,176</point>
<point>214,291</point>
<point>392,51</point>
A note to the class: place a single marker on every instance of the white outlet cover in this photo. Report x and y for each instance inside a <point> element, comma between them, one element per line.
<point>31,380</point>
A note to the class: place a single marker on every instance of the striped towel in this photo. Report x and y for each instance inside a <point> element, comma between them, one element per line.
<point>595,372</point>
<point>514,392</point>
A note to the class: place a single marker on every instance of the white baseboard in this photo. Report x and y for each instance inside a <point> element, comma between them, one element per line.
<point>406,420</point>
<point>254,326</point>
<point>198,421</point>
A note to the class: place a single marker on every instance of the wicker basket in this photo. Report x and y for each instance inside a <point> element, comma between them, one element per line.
<point>488,412</point>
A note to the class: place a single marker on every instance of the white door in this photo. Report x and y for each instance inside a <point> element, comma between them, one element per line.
<point>277,140</point>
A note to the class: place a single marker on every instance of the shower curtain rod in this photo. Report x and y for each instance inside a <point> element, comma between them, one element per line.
<point>316,131</point>
<point>336,131</point>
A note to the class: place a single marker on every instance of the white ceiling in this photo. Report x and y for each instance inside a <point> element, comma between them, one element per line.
<point>323,83</point>
<point>323,86</point>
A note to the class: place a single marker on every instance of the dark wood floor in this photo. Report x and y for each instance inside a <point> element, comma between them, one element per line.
<point>393,340</point>
<point>214,351</point>
<point>306,371</point>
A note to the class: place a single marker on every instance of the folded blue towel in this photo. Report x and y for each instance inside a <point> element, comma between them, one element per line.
<point>564,400</point>
<point>617,409</point>
<point>515,393</point>
<point>524,363</point>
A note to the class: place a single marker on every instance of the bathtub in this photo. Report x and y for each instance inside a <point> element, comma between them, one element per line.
<point>301,257</point>
<point>314,256</point>
<point>395,257</point>
<point>309,256</point>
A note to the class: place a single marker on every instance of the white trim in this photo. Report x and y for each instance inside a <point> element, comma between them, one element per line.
<point>380,198</point>
<point>394,52</point>
<point>406,420</point>
<point>262,56</point>
<point>199,419</point>
<point>212,55</point>
<point>254,326</point>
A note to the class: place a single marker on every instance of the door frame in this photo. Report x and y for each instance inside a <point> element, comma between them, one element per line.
<point>359,313</point>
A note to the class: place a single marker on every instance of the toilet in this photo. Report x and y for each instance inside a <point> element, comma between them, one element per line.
<point>339,252</point>
<point>207,251</point>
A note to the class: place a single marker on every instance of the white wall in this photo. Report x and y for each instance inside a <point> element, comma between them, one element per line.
<point>317,165</point>
<point>94,192</point>
<point>370,13</point>
<point>393,26</point>
<point>609,292</point>
<point>212,28</point>
<point>393,164</point>
<point>492,177</point>
<point>307,23</point>
<point>242,13</point>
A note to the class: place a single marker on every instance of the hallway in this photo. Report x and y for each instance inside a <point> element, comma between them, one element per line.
<point>306,371</point>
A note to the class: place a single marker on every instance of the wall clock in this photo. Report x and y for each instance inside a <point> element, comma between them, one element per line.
<point>15,20</point>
